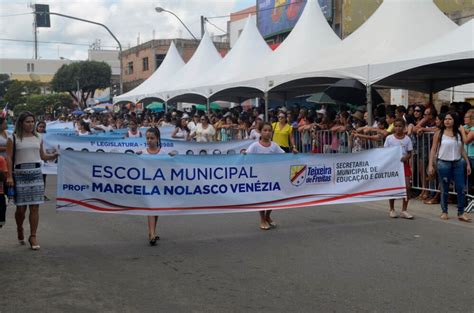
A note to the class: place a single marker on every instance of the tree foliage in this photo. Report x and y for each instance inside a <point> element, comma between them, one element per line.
<point>87,75</point>
<point>18,91</point>
<point>4,84</point>
<point>41,105</point>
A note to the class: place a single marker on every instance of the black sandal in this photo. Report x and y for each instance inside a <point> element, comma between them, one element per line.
<point>154,240</point>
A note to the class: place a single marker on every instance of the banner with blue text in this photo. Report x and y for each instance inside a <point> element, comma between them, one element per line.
<point>181,185</point>
<point>54,142</point>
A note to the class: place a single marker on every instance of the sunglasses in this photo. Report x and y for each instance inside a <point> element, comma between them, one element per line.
<point>281,116</point>
<point>417,110</point>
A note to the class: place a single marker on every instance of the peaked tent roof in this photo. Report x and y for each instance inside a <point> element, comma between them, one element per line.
<point>396,27</point>
<point>247,54</point>
<point>443,63</point>
<point>310,37</point>
<point>171,64</point>
<point>205,57</point>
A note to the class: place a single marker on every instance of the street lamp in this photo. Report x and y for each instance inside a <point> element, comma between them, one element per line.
<point>110,32</point>
<point>160,9</point>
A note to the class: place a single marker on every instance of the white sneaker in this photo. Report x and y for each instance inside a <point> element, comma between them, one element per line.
<point>393,214</point>
<point>405,214</point>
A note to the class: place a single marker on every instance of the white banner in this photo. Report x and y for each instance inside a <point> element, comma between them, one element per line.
<point>164,185</point>
<point>54,142</point>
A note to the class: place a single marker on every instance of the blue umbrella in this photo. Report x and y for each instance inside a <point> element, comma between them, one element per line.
<point>78,112</point>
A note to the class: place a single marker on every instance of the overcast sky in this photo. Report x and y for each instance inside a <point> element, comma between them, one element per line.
<point>127,19</point>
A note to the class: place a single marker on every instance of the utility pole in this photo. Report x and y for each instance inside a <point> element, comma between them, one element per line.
<point>203,21</point>
<point>36,40</point>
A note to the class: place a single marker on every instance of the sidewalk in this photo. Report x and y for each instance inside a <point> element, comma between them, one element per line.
<point>420,210</point>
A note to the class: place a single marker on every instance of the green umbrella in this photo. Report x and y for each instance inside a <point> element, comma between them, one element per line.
<point>155,107</point>
<point>203,107</point>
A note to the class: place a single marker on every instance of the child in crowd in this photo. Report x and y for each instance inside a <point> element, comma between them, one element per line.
<point>265,146</point>
<point>133,131</point>
<point>399,138</point>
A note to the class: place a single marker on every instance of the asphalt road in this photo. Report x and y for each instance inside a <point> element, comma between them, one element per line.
<point>350,258</point>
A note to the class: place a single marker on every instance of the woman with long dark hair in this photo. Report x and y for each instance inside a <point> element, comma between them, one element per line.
<point>451,161</point>
<point>25,150</point>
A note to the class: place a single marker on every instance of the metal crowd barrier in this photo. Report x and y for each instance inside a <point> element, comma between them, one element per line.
<point>327,141</point>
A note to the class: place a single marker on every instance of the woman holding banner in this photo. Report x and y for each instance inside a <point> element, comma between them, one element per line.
<point>153,147</point>
<point>265,146</point>
<point>25,150</point>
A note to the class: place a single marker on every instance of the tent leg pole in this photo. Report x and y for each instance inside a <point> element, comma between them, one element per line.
<point>266,106</point>
<point>370,110</point>
<point>208,106</point>
<point>166,107</point>
<point>430,103</point>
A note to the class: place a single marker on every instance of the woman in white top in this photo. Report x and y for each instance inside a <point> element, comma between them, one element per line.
<point>255,132</point>
<point>84,129</point>
<point>205,132</point>
<point>451,158</point>
<point>181,132</point>
<point>25,150</point>
<point>265,146</point>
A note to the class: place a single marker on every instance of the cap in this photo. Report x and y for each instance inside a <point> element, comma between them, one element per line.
<point>261,116</point>
<point>185,115</point>
<point>227,114</point>
<point>321,111</point>
<point>283,109</point>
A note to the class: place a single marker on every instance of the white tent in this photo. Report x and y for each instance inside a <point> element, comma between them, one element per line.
<point>310,37</point>
<point>395,28</point>
<point>171,64</point>
<point>440,64</point>
<point>247,54</point>
<point>205,57</point>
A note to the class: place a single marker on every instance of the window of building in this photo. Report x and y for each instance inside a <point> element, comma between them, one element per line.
<point>145,64</point>
<point>30,67</point>
<point>130,68</point>
<point>159,59</point>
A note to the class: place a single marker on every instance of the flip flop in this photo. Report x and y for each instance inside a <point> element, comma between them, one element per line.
<point>265,227</point>
<point>272,224</point>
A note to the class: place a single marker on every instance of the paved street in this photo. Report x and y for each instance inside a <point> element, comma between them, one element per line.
<point>350,258</point>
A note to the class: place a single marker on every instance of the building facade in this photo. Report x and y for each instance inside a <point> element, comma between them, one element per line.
<point>141,61</point>
<point>237,23</point>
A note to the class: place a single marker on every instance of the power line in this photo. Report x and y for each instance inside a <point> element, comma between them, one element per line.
<point>250,12</point>
<point>225,32</point>
<point>53,42</point>
<point>9,15</point>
